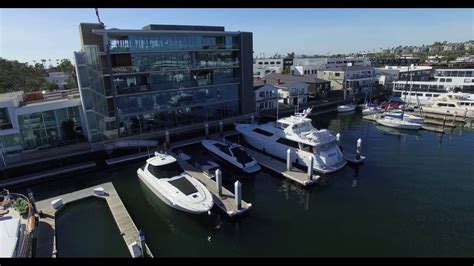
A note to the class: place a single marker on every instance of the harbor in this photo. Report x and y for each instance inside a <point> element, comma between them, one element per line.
<point>340,197</point>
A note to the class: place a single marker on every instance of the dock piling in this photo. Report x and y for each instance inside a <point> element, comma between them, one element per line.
<point>167,138</point>
<point>359,148</point>
<point>310,167</point>
<point>444,121</point>
<point>338,140</point>
<point>219,181</point>
<point>288,159</point>
<point>221,128</point>
<point>252,118</point>
<point>238,194</point>
<point>142,243</point>
<point>454,117</point>
<point>206,127</point>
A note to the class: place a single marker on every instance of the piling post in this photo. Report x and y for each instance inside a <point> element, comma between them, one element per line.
<point>206,128</point>
<point>359,148</point>
<point>454,117</point>
<point>465,114</point>
<point>142,243</point>
<point>219,181</point>
<point>338,140</point>
<point>310,167</point>
<point>444,121</point>
<point>288,159</point>
<point>221,128</point>
<point>252,118</point>
<point>167,138</point>
<point>238,194</point>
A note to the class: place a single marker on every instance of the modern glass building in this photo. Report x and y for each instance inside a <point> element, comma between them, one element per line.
<point>162,77</point>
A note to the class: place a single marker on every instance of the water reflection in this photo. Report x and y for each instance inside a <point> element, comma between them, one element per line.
<point>296,193</point>
<point>356,175</point>
<point>399,132</point>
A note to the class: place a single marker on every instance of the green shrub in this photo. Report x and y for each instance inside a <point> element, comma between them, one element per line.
<point>21,206</point>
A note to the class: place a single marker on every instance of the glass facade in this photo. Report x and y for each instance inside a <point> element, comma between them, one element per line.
<point>42,129</point>
<point>5,122</point>
<point>161,81</point>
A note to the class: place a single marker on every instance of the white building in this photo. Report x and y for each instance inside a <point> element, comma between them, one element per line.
<point>34,120</point>
<point>58,78</point>
<point>266,96</point>
<point>292,93</point>
<point>305,66</point>
<point>262,67</point>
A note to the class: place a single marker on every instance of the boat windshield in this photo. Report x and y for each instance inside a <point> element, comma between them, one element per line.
<point>241,155</point>
<point>165,171</point>
<point>326,146</point>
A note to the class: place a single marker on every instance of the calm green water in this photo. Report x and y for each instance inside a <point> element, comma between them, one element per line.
<point>86,228</point>
<point>413,197</point>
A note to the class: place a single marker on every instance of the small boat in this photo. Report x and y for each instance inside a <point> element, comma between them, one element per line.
<point>396,122</point>
<point>170,183</point>
<point>406,117</point>
<point>346,108</point>
<point>233,154</point>
<point>370,110</point>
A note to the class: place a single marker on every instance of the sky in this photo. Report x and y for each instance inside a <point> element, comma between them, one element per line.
<point>33,34</point>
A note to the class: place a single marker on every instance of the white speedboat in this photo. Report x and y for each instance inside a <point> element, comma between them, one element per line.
<point>17,225</point>
<point>233,154</point>
<point>396,122</point>
<point>297,134</point>
<point>169,182</point>
<point>346,108</point>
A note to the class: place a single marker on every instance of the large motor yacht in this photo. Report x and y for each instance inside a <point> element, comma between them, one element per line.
<point>451,103</point>
<point>169,182</point>
<point>297,134</point>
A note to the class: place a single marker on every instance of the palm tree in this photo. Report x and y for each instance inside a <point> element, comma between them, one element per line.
<point>44,61</point>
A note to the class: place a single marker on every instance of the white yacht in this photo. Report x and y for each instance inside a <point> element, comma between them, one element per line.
<point>233,154</point>
<point>397,122</point>
<point>169,182</point>
<point>451,103</point>
<point>17,225</point>
<point>298,134</point>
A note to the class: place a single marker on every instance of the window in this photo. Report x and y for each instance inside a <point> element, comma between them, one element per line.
<point>442,104</point>
<point>288,142</point>
<point>278,62</point>
<point>337,74</point>
<point>449,80</point>
<point>442,80</point>
<point>266,63</point>
<point>263,132</point>
<point>272,63</point>
<point>419,94</point>
<point>5,122</point>
<point>165,171</point>
<point>223,148</point>
<point>428,95</point>
<point>435,95</point>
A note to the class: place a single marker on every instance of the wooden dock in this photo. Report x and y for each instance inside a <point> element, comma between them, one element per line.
<point>279,167</point>
<point>47,236</point>
<point>226,201</point>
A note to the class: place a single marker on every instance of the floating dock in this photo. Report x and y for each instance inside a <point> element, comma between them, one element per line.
<point>226,201</point>
<point>47,236</point>
<point>279,167</point>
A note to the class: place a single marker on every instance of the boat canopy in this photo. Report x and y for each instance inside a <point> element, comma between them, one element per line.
<point>9,227</point>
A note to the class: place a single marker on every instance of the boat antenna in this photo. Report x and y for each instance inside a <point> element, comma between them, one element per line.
<point>278,97</point>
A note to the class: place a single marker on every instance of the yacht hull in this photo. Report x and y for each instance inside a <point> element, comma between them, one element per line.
<point>406,125</point>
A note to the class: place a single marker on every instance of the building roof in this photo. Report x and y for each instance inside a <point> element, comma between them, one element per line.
<point>286,78</point>
<point>349,68</point>
<point>8,96</point>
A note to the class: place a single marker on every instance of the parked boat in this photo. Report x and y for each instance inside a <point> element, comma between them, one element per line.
<point>346,108</point>
<point>297,134</point>
<point>170,183</point>
<point>407,117</point>
<point>369,108</point>
<point>451,103</point>
<point>233,154</point>
<point>397,122</point>
<point>17,225</point>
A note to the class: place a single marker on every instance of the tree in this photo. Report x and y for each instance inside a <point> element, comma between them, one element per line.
<point>290,55</point>
<point>17,76</point>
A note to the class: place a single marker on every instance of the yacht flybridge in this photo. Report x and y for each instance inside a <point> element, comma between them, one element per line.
<point>169,182</point>
<point>296,133</point>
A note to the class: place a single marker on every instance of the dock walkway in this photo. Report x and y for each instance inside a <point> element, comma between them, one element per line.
<point>47,237</point>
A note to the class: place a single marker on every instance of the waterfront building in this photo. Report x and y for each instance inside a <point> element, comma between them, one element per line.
<point>444,80</point>
<point>58,78</point>
<point>388,74</point>
<point>162,77</point>
<point>262,67</point>
<point>308,66</point>
<point>316,86</point>
<point>352,79</point>
<point>266,96</point>
<point>30,121</point>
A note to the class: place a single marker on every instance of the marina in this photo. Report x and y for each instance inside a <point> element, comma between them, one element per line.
<point>335,204</point>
